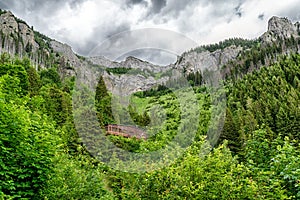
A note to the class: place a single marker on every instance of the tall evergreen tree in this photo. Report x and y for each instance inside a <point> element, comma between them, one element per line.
<point>103,103</point>
<point>230,133</point>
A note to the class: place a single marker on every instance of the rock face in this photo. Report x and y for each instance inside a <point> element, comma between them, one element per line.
<point>281,28</point>
<point>130,63</point>
<point>102,61</point>
<point>17,37</point>
<point>135,63</point>
<point>193,61</point>
<point>9,24</point>
<point>127,84</point>
<point>142,76</point>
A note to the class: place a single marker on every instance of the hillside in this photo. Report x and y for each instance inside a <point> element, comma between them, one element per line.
<point>236,137</point>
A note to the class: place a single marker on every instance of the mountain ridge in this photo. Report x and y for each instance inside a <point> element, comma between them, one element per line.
<point>18,38</point>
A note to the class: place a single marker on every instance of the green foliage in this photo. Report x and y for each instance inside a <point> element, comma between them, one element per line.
<point>215,176</point>
<point>38,137</point>
<point>154,92</point>
<point>270,97</point>
<point>195,79</point>
<point>58,104</point>
<point>34,81</point>
<point>230,133</point>
<point>103,104</point>
<point>275,166</point>
<point>257,157</point>
<point>119,70</point>
<point>139,119</point>
<point>16,71</point>
<point>128,144</point>
<point>28,143</point>
<point>10,87</point>
<point>50,76</point>
<point>2,11</point>
<point>5,58</point>
<point>75,178</point>
<point>42,40</point>
<point>81,57</point>
<point>259,55</point>
<point>68,84</point>
<point>246,44</point>
<point>262,111</point>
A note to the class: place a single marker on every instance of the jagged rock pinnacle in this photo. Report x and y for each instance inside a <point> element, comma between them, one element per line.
<point>280,28</point>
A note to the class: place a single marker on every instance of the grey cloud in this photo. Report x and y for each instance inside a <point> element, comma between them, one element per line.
<point>261,16</point>
<point>157,5</point>
<point>4,5</point>
<point>135,1</point>
<point>220,8</point>
<point>44,6</point>
<point>223,8</point>
<point>293,12</point>
<point>215,11</point>
<point>129,3</point>
<point>100,35</point>
<point>174,7</point>
<point>149,44</point>
<point>238,10</point>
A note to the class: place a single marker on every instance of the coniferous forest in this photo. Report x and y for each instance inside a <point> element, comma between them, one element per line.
<point>256,157</point>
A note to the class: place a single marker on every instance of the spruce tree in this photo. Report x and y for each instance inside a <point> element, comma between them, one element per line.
<point>103,104</point>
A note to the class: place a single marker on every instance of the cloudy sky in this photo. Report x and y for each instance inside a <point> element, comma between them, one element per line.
<point>84,24</point>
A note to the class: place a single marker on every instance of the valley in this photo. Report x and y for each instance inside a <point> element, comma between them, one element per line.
<point>222,122</point>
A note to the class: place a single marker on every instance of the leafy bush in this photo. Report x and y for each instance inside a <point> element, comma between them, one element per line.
<point>50,76</point>
<point>16,71</point>
<point>28,143</point>
<point>75,178</point>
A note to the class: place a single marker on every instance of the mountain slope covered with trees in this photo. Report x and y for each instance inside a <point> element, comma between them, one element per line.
<point>256,157</point>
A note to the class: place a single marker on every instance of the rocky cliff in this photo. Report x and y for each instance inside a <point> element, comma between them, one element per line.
<point>17,37</point>
<point>281,28</point>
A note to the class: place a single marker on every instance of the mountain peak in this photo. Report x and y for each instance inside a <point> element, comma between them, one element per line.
<point>280,28</point>
<point>279,25</point>
<point>134,59</point>
<point>276,22</point>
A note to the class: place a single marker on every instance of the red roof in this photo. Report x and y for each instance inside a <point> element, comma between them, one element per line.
<point>126,131</point>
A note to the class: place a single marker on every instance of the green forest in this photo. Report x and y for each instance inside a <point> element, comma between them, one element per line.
<point>256,157</point>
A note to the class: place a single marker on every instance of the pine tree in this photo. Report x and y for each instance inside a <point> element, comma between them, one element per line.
<point>230,132</point>
<point>103,104</point>
<point>34,81</point>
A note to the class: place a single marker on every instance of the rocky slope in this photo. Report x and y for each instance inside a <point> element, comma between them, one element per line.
<point>17,38</point>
